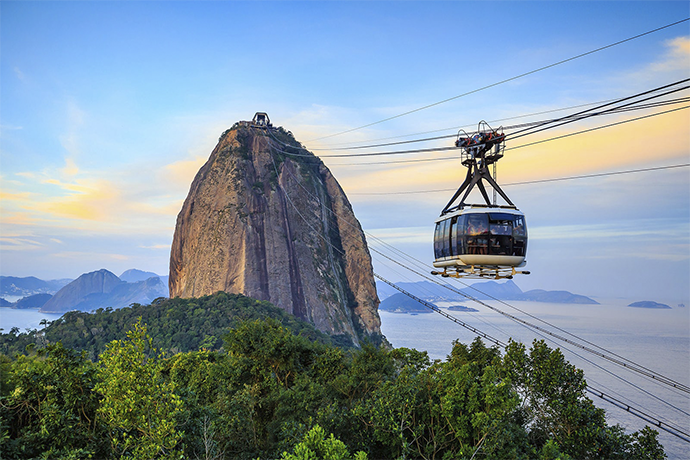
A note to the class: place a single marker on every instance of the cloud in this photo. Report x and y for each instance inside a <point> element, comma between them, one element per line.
<point>70,168</point>
<point>10,128</point>
<point>20,219</point>
<point>14,196</point>
<point>398,235</point>
<point>130,196</point>
<point>657,229</point>
<point>93,200</point>
<point>181,173</point>
<point>19,74</point>
<point>77,255</point>
<point>651,239</point>
<point>15,243</point>
<point>676,57</point>
<point>655,141</point>
<point>156,246</point>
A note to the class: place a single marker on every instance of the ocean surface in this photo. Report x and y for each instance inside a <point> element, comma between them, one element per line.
<point>23,319</point>
<point>656,339</point>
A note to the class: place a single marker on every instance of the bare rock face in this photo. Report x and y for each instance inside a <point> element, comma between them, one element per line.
<point>268,220</point>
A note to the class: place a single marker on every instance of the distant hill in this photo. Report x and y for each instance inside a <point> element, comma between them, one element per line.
<point>102,289</point>
<point>77,292</point>
<point>649,304</point>
<point>538,295</point>
<point>12,286</point>
<point>134,276</point>
<point>483,291</point>
<point>400,303</point>
<point>176,325</point>
<point>462,308</point>
<point>32,301</point>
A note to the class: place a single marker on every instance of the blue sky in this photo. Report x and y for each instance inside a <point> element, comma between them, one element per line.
<point>108,109</point>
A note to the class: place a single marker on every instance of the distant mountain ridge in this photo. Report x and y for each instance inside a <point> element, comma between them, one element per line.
<point>649,304</point>
<point>134,276</point>
<point>98,289</point>
<point>32,301</point>
<point>400,303</point>
<point>484,291</point>
<point>13,286</point>
<point>102,289</point>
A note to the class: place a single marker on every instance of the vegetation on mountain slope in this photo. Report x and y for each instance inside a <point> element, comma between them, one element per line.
<point>269,393</point>
<point>176,325</point>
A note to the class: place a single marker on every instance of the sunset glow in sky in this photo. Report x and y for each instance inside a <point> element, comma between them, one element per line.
<point>108,110</point>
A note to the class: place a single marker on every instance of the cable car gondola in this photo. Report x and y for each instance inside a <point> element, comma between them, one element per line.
<point>480,240</point>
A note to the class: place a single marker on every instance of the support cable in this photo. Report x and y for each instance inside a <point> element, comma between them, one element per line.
<point>531,124</point>
<point>609,356</point>
<point>679,433</point>
<point>506,80</point>
<point>586,113</point>
<point>639,414</point>
<point>441,149</point>
<point>472,125</point>
<point>433,307</point>
<point>536,181</point>
<point>448,148</point>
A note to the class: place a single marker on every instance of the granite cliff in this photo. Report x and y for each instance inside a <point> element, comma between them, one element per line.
<point>267,219</point>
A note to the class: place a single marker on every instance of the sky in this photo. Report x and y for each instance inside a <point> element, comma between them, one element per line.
<point>108,110</point>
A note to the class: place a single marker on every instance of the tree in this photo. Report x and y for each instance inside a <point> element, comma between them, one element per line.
<point>317,446</point>
<point>138,405</point>
<point>445,409</point>
<point>559,414</point>
<point>48,406</point>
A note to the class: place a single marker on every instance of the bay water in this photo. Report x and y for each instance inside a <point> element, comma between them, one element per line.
<point>24,319</point>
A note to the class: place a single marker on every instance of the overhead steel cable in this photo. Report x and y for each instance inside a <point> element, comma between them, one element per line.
<point>653,419</point>
<point>638,413</point>
<point>615,358</point>
<point>507,79</point>
<point>506,149</point>
<point>468,126</point>
<point>423,302</point>
<point>574,117</point>
<point>609,356</point>
<point>544,336</point>
<point>448,148</point>
<point>544,333</point>
<point>662,425</point>
<point>590,112</point>
<point>536,181</point>
<point>599,127</point>
<point>539,331</point>
<point>433,307</point>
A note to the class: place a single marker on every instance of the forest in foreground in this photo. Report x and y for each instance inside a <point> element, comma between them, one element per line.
<point>272,387</point>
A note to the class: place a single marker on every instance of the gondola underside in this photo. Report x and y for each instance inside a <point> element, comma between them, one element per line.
<point>480,243</point>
